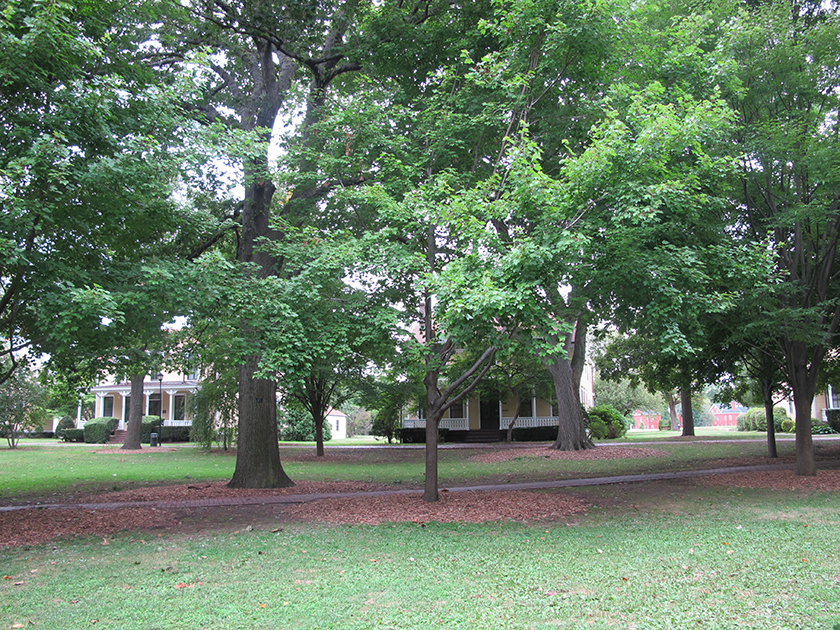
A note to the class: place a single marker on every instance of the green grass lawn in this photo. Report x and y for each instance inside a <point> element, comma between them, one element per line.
<point>650,555</point>
<point>46,467</point>
<point>668,556</point>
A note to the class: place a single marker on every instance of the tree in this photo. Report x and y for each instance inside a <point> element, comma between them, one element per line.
<point>23,404</point>
<point>272,55</point>
<point>626,397</point>
<point>342,331</point>
<point>788,186</point>
<point>88,163</point>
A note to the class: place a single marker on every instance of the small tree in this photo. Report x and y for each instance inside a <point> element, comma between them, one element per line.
<point>22,405</point>
<point>297,425</point>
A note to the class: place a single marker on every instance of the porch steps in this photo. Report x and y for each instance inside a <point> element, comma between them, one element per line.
<point>475,436</point>
<point>117,437</point>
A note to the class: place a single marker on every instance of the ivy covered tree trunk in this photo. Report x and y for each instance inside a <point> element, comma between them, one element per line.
<point>135,413</point>
<point>258,454</point>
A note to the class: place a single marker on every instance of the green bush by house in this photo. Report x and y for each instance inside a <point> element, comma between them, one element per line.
<point>65,423</point>
<point>755,419</point>
<point>73,435</point>
<point>607,423</point>
<point>833,417</point>
<point>150,424</point>
<point>98,430</point>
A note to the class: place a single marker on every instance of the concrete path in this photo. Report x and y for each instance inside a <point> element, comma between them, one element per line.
<point>304,498</point>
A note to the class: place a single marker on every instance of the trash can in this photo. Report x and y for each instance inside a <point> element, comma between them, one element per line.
<point>153,439</point>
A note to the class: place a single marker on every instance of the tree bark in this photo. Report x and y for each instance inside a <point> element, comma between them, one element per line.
<point>687,412</point>
<point>672,411</point>
<point>803,383</point>
<point>258,454</point>
<point>578,358</point>
<point>430,486</point>
<point>319,435</point>
<point>134,427</point>
<point>767,392</point>
<point>571,432</point>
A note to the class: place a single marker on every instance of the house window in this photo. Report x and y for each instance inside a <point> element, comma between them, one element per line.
<point>457,410</point>
<point>834,397</point>
<point>154,404</point>
<point>338,425</point>
<point>526,409</point>
<point>179,408</point>
<point>108,406</point>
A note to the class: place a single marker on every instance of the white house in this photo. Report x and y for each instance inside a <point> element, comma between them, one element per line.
<point>337,422</point>
<point>165,394</point>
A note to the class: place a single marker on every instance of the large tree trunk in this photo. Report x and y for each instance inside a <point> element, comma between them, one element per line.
<point>803,383</point>
<point>578,358</point>
<point>430,487</point>
<point>319,435</point>
<point>134,428</point>
<point>571,432</point>
<point>687,412</point>
<point>672,411</point>
<point>258,453</point>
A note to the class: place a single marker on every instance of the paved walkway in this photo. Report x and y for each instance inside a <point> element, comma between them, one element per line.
<point>304,498</point>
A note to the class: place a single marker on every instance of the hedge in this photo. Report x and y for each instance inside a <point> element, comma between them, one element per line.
<point>606,422</point>
<point>833,417</point>
<point>98,430</point>
<point>65,423</point>
<point>755,419</point>
<point>73,435</point>
<point>176,434</point>
<point>150,424</point>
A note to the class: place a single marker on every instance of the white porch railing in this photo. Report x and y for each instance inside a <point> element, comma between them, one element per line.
<point>454,424</point>
<point>177,423</point>
<point>530,422</point>
<point>462,424</point>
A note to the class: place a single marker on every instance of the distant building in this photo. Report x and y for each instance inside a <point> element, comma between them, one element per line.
<point>166,397</point>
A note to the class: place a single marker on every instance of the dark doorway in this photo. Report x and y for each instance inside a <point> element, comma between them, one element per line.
<point>489,411</point>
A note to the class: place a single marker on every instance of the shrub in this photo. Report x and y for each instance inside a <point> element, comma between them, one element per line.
<point>833,417</point>
<point>418,436</point>
<point>149,425</point>
<point>176,434</point>
<point>597,428</point>
<point>386,424</point>
<point>535,434</point>
<point>614,424</point>
<point>65,423</point>
<point>755,419</point>
<point>73,435</point>
<point>818,427</point>
<point>98,430</point>
<point>788,425</point>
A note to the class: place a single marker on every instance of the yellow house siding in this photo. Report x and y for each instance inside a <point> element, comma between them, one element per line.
<point>473,413</point>
<point>543,408</point>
